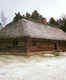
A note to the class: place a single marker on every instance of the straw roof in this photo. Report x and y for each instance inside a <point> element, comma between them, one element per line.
<point>32,29</point>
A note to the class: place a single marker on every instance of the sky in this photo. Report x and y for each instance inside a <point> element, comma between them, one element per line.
<point>47,8</point>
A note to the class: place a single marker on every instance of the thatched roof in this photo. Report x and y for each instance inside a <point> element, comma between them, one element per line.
<point>32,29</point>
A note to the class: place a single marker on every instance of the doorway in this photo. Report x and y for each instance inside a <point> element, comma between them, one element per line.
<point>55,46</point>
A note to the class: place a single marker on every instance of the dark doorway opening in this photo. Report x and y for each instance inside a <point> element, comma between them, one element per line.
<point>55,46</point>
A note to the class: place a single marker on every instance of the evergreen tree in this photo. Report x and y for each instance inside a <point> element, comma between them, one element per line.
<point>28,15</point>
<point>52,21</point>
<point>62,23</point>
<point>17,17</point>
<point>35,15</point>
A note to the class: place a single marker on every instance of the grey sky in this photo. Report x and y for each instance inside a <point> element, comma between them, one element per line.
<point>47,8</point>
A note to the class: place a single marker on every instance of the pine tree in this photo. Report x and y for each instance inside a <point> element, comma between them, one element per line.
<point>52,21</point>
<point>35,15</point>
<point>62,23</point>
<point>17,17</point>
<point>28,15</point>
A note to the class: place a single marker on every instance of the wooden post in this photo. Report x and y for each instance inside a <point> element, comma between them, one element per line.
<point>28,47</point>
<point>61,45</point>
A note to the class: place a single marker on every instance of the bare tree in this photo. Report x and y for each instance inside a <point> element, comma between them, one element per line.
<point>3,19</point>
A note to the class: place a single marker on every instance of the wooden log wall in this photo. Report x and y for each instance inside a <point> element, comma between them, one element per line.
<point>13,45</point>
<point>41,45</point>
<point>28,45</point>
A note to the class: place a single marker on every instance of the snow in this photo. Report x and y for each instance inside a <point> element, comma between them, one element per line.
<point>32,68</point>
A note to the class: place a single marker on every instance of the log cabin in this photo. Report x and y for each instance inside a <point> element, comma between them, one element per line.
<point>27,37</point>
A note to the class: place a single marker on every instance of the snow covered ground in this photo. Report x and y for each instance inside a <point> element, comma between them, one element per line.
<point>32,68</point>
